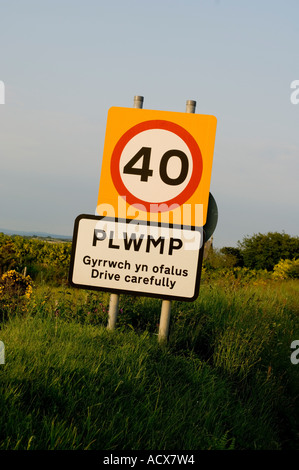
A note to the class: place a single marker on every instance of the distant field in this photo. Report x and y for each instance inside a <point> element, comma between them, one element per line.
<point>224,380</point>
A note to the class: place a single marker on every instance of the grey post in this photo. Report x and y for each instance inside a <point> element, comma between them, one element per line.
<point>138,101</point>
<point>166,304</point>
<point>114,298</point>
<point>190,106</point>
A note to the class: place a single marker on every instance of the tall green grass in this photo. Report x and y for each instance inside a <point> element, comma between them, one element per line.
<point>223,381</point>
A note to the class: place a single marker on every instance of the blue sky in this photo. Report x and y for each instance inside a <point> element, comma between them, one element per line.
<point>64,63</point>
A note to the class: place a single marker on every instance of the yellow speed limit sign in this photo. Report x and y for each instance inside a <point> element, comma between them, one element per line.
<point>157,166</point>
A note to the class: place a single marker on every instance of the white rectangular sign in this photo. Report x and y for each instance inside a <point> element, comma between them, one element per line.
<point>136,257</point>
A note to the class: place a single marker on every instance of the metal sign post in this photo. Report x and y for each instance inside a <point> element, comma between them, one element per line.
<point>166,304</point>
<point>114,298</point>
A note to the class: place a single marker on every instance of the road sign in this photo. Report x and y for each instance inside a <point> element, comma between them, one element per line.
<point>136,257</point>
<point>156,162</point>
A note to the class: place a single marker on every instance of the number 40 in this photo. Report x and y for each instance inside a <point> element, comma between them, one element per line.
<point>145,172</point>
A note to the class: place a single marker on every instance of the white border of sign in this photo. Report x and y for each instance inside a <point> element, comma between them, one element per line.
<point>136,257</point>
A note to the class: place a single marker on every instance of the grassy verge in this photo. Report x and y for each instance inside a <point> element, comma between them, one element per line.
<point>224,381</point>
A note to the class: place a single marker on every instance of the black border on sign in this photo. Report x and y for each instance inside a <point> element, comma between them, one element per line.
<point>124,291</point>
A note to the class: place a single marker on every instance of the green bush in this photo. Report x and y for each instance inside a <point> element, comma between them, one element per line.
<point>286,269</point>
<point>46,261</point>
<point>263,251</point>
<point>15,292</point>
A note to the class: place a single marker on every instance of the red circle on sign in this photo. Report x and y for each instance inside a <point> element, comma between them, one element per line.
<point>196,158</point>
